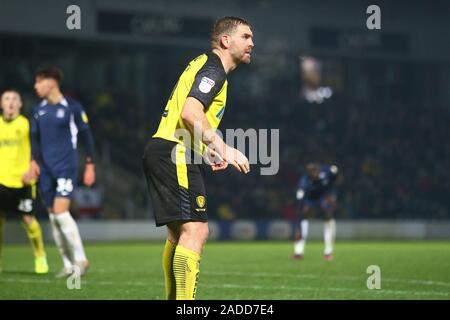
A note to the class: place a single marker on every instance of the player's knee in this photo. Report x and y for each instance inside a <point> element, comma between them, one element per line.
<point>297,234</point>
<point>27,219</point>
<point>329,214</point>
<point>202,232</point>
<point>197,230</point>
<point>61,205</point>
<point>205,233</point>
<point>173,232</point>
<point>307,213</point>
<point>172,238</point>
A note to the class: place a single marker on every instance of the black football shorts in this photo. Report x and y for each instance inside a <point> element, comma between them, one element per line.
<point>17,200</point>
<point>176,188</point>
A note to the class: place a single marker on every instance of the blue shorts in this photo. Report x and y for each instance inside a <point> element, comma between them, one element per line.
<point>323,201</point>
<point>57,183</point>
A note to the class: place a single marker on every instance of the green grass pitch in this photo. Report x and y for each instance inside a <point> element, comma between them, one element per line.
<point>242,270</point>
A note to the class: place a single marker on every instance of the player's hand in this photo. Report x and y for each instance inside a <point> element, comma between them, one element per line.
<point>32,174</point>
<point>220,166</point>
<point>89,174</point>
<point>213,159</point>
<point>237,159</point>
<point>29,178</point>
<point>34,168</point>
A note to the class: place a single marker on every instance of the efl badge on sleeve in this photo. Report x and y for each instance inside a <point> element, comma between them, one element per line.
<point>206,85</point>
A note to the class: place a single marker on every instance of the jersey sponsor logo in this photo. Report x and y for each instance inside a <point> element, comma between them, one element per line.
<point>220,113</point>
<point>84,117</point>
<point>60,113</point>
<point>10,143</point>
<point>206,84</point>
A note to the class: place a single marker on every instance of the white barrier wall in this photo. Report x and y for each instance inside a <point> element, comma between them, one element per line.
<point>106,231</point>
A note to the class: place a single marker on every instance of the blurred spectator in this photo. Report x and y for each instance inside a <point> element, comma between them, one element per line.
<point>87,203</point>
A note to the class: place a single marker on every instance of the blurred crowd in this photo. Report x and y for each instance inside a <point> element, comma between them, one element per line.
<point>393,157</point>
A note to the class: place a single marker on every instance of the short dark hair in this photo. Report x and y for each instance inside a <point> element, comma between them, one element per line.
<point>50,72</point>
<point>223,25</point>
<point>10,90</point>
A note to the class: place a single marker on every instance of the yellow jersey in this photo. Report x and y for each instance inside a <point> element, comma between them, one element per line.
<point>204,79</point>
<point>15,151</point>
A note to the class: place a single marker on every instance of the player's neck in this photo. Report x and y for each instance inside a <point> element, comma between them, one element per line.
<point>55,97</point>
<point>10,117</point>
<point>227,61</point>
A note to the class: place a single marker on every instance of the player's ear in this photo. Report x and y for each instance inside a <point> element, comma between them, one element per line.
<point>54,83</point>
<point>20,101</point>
<point>225,40</point>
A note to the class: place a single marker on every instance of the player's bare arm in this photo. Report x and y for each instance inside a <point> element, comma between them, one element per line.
<point>89,174</point>
<point>194,117</point>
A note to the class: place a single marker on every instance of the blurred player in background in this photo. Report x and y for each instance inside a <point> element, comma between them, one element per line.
<point>17,185</point>
<point>57,123</point>
<point>316,189</point>
<point>177,186</point>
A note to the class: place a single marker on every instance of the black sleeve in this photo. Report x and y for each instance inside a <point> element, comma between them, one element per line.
<point>208,81</point>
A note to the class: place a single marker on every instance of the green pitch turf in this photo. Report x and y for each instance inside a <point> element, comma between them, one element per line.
<point>242,270</point>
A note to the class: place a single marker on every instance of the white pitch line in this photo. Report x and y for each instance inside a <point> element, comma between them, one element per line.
<point>380,291</point>
<point>311,276</point>
<point>315,276</point>
<point>238,286</point>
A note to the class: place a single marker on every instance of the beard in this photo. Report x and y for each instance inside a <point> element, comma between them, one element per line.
<point>242,58</point>
<point>247,58</point>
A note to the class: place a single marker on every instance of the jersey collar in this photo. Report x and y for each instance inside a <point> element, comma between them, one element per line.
<point>63,102</point>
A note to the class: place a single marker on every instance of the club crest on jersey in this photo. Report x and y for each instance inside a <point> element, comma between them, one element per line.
<point>84,117</point>
<point>201,201</point>
<point>60,113</point>
<point>206,84</point>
